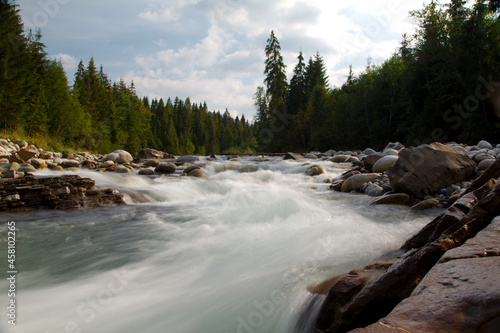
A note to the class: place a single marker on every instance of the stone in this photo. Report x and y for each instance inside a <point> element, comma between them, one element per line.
<point>149,153</point>
<point>122,169</point>
<point>352,159</point>
<point>459,149</point>
<point>370,161</point>
<point>46,155</point>
<point>187,159</point>
<point>355,182</point>
<point>68,163</point>
<point>4,161</point>
<point>197,173</point>
<point>314,170</point>
<point>461,295</point>
<point>9,174</point>
<point>484,145</point>
<point>395,145</point>
<point>28,153</point>
<point>339,158</point>
<point>120,157</point>
<point>293,156</point>
<point>146,172</point>
<point>384,163</point>
<point>190,168</point>
<point>311,156</point>
<point>26,168</point>
<point>38,163</point>
<point>21,143</point>
<point>107,164</point>
<point>330,152</point>
<point>390,152</point>
<point>392,199</point>
<point>89,164</point>
<point>14,166</point>
<point>165,168</point>
<point>374,190</point>
<point>369,151</point>
<point>151,163</point>
<point>426,204</point>
<point>426,169</point>
<point>485,164</point>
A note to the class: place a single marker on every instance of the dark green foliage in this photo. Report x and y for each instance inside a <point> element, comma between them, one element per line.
<point>442,85</point>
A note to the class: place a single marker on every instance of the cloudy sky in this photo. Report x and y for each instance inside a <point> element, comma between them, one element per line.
<point>213,50</point>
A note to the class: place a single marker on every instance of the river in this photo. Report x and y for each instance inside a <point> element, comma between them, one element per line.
<point>230,253</point>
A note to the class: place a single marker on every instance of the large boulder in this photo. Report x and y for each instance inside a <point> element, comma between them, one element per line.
<point>424,170</point>
<point>187,159</point>
<point>149,153</point>
<point>293,156</point>
<point>165,168</point>
<point>28,153</point>
<point>120,157</point>
<point>370,161</point>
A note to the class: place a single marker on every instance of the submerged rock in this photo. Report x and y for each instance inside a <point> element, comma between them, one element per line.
<point>315,170</point>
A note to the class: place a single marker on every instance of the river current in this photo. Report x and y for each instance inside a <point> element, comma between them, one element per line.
<point>231,253</point>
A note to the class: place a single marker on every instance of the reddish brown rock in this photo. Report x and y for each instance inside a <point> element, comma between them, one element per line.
<point>426,169</point>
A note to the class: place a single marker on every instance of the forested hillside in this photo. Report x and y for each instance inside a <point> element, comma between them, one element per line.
<point>96,113</point>
<point>442,85</point>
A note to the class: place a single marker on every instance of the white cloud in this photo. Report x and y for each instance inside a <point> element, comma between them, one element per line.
<point>163,14</point>
<point>69,62</point>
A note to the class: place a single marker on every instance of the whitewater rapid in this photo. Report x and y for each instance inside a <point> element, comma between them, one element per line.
<point>233,252</point>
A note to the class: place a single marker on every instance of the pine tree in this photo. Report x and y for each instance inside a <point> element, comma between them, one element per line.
<point>275,71</point>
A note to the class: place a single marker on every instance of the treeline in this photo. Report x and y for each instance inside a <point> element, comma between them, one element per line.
<point>96,113</point>
<point>442,85</point>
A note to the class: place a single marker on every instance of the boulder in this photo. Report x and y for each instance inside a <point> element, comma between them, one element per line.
<point>392,199</point>
<point>120,157</point>
<point>426,169</point>
<point>369,151</point>
<point>339,158</point>
<point>190,168</point>
<point>314,170</point>
<point>484,145</point>
<point>384,163</point>
<point>107,164</point>
<point>122,169</point>
<point>26,168</point>
<point>151,163</point>
<point>485,164</point>
<point>21,143</point>
<point>149,153</point>
<point>67,163</point>
<point>165,168</point>
<point>355,182</point>
<point>197,173</point>
<point>293,156</point>
<point>390,152</point>
<point>311,156</point>
<point>28,153</point>
<point>370,161</point>
<point>146,172</point>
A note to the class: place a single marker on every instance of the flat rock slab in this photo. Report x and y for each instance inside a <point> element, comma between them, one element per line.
<point>460,294</point>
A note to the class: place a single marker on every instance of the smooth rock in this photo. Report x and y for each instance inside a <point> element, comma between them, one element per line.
<point>293,156</point>
<point>4,161</point>
<point>107,164</point>
<point>395,145</point>
<point>384,163</point>
<point>428,168</point>
<point>484,145</point>
<point>151,163</point>
<point>311,156</point>
<point>369,151</point>
<point>390,152</point>
<point>485,164</point>
<point>370,161</point>
<point>314,170</point>
<point>197,173</point>
<point>14,166</point>
<point>374,190</point>
<point>21,143</point>
<point>392,199</point>
<point>190,168</point>
<point>26,168</point>
<point>339,158</point>
<point>122,169</point>
<point>483,156</point>
<point>352,159</point>
<point>426,204</point>
<point>146,172</point>
<point>355,182</point>
<point>120,157</point>
<point>165,168</point>
<point>70,163</point>
<point>149,153</point>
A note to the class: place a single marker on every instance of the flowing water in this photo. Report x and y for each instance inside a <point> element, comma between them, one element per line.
<point>233,252</point>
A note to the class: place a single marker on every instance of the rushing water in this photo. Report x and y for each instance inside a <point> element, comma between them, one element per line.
<point>233,252</point>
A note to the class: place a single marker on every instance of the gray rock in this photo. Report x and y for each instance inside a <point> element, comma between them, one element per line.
<point>122,169</point>
<point>374,190</point>
<point>70,163</point>
<point>369,151</point>
<point>384,163</point>
<point>484,145</point>
<point>388,152</point>
<point>485,164</point>
<point>293,156</point>
<point>197,173</point>
<point>120,157</point>
<point>146,172</point>
<point>339,158</point>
